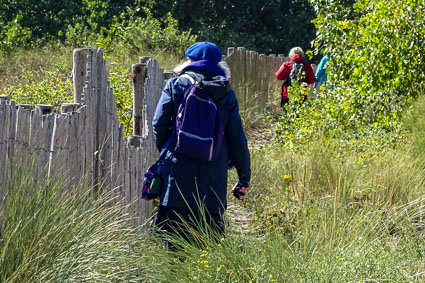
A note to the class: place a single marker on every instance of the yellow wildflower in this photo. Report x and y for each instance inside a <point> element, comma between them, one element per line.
<point>286,179</point>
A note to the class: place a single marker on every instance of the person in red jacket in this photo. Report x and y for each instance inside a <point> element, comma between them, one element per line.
<point>296,55</point>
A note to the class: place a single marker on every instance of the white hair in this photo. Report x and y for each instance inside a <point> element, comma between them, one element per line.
<point>296,50</point>
<point>179,68</point>
<point>222,64</point>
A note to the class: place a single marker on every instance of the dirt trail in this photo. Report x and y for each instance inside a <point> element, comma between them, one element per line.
<point>239,217</point>
<point>257,136</point>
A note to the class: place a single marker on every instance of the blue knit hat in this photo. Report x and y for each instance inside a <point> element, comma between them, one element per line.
<point>204,51</point>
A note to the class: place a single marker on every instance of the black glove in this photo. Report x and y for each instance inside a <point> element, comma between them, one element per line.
<point>237,191</point>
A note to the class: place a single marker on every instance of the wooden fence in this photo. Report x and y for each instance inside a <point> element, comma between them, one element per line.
<point>88,141</point>
<point>253,76</point>
<point>85,139</point>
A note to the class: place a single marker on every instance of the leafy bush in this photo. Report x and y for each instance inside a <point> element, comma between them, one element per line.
<point>335,115</point>
<point>120,80</point>
<point>45,87</point>
<point>383,45</point>
<point>24,27</point>
<point>14,35</point>
<point>132,32</point>
<point>381,61</point>
<point>375,71</point>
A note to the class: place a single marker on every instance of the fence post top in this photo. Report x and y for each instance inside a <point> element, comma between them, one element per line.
<point>144,59</point>
<point>45,108</point>
<point>69,107</point>
<point>134,140</point>
<point>4,98</point>
<point>230,51</point>
<point>81,50</point>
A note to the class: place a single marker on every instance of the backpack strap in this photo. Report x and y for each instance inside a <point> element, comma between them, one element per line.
<point>293,62</point>
<point>195,78</point>
<point>164,149</point>
<point>191,79</point>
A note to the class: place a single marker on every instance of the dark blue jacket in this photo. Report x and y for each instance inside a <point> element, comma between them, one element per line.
<point>187,181</point>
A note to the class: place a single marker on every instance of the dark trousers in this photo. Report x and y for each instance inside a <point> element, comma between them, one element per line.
<point>176,220</point>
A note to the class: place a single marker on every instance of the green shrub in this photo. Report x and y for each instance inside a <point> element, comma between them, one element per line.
<point>375,71</point>
<point>132,33</point>
<point>45,87</point>
<point>383,44</point>
<point>335,115</point>
<point>120,81</point>
<point>377,49</point>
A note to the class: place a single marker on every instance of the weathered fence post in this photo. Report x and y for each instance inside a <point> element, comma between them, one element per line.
<point>44,108</point>
<point>144,59</point>
<point>229,59</point>
<point>24,106</point>
<point>4,98</point>
<point>139,75</point>
<point>69,107</point>
<point>134,140</point>
<point>168,75</point>
<point>79,72</point>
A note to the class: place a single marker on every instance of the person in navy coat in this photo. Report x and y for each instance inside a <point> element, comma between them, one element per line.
<point>191,188</point>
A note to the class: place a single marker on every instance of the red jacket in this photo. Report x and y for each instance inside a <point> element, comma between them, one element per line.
<point>284,71</point>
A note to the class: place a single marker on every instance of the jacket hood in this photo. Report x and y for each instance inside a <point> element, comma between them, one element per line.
<point>297,58</point>
<point>217,86</point>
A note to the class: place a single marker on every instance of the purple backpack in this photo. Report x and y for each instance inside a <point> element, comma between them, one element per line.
<point>199,125</point>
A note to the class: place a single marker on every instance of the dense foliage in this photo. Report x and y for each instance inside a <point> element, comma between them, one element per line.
<point>376,70</point>
<point>42,87</point>
<point>271,27</point>
<point>265,26</point>
<point>376,46</point>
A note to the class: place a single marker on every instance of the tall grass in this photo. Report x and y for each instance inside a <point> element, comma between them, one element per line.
<point>330,219</point>
<point>53,233</point>
<point>325,214</point>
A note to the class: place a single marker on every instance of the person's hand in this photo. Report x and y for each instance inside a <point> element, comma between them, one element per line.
<point>240,190</point>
